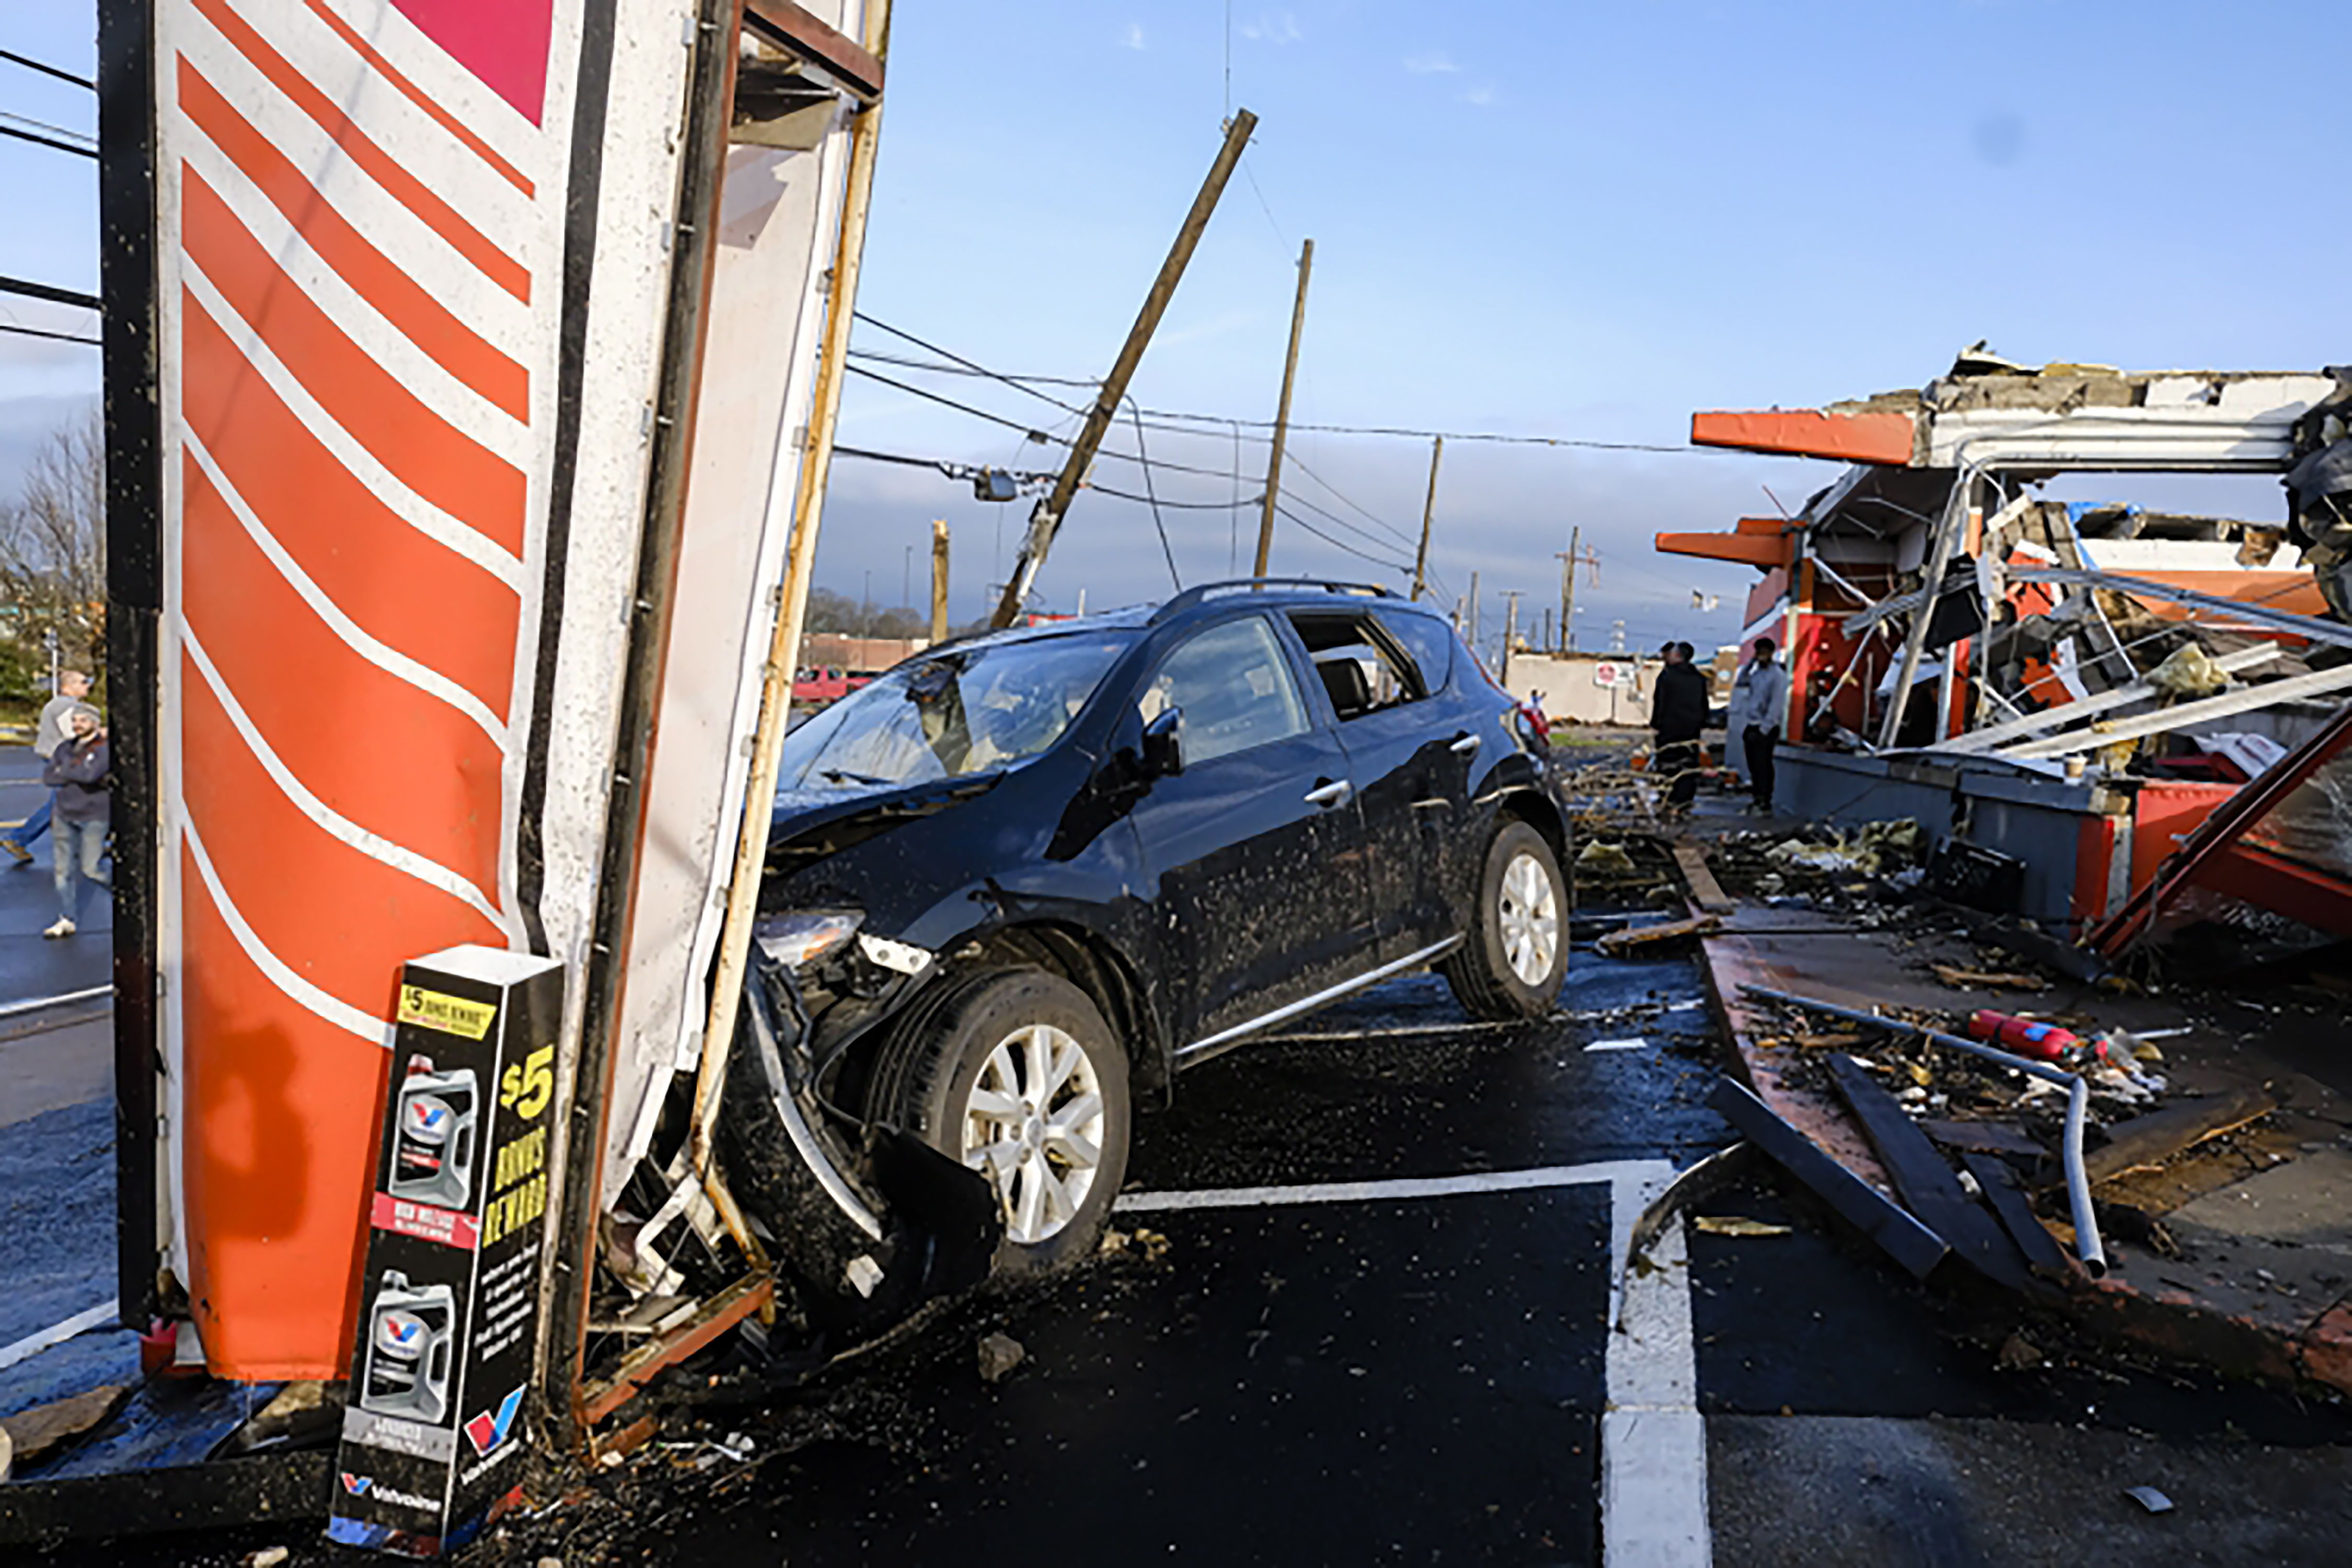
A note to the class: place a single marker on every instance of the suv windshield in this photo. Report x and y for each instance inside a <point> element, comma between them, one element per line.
<point>966,710</point>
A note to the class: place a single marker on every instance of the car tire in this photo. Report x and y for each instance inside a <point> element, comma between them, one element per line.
<point>963,1080</point>
<point>1513,958</point>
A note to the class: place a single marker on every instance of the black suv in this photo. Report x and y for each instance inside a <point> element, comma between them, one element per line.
<point>1022,879</point>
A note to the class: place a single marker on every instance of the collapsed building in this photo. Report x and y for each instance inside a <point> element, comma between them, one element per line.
<point>2061,693</point>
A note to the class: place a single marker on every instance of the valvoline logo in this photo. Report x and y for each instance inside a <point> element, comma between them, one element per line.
<point>357,1484</point>
<point>429,1118</point>
<point>403,1334</point>
<point>488,1429</point>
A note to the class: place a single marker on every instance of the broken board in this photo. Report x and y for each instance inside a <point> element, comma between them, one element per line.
<point>1923,1181</point>
<point>1700,878</point>
<point>1635,939</point>
<point>1911,1244</point>
<point>2009,1205</point>
<point>2148,1140</point>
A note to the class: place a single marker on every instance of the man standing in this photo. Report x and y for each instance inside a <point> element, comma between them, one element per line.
<point>73,688</point>
<point>1767,703</point>
<point>1678,713</point>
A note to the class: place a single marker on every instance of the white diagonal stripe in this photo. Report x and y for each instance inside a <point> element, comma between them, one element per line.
<point>372,844</point>
<point>380,111</point>
<point>435,73</point>
<point>376,1031</point>
<point>404,503</point>
<point>381,654</point>
<point>426,379</point>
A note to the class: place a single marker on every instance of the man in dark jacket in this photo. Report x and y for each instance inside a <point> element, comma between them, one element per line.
<point>1678,713</point>
<point>77,772</point>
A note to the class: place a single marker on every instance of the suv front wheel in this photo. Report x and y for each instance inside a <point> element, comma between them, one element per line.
<point>1512,959</point>
<point>1019,1078</point>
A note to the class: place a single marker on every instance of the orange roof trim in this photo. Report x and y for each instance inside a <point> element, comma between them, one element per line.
<point>1871,437</point>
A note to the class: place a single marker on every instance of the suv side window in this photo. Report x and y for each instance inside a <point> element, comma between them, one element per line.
<point>1428,641</point>
<point>1234,684</point>
<point>1362,669</point>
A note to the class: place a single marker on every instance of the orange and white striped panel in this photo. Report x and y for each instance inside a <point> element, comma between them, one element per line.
<point>360,238</point>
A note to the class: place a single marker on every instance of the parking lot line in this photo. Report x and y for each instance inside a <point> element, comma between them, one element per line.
<point>1653,1438</point>
<point>33,1344</point>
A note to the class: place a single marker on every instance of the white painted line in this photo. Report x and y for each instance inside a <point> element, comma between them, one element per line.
<point>1403,1187</point>
<point>1632,1043</point>
<point>1652,1438</point>
<point>1686,1008</point>
<point>58,1333</point>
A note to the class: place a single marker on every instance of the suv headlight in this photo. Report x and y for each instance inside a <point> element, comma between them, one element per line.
<point>801,937</point>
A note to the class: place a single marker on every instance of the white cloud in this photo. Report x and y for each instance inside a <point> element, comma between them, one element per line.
<point>1480,97</point>
<point>1133,37</point>
<point>1282,28</point>
<point>1431,65</point>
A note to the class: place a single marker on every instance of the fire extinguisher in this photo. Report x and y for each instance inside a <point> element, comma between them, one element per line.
<point>2029,1037</point>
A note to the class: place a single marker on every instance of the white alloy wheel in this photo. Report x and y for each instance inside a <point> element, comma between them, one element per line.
<point>1034,1125</point>
<point>1529,919</point>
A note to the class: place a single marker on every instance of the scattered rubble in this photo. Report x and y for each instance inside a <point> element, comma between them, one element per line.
<point>1000,1352</point>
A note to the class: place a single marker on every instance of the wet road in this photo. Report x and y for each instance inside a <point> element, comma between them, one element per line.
<point>1362,1315</point>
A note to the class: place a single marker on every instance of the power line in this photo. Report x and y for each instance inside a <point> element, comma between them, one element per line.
<point>1401,536</point>
<point>1028,478</point>
<point>1339,544</point>
<point>1025,382</point>
<point>1030,431</point>
<point>50,291</point>
<point>1164,548</point>
<point>42,333</point>
<point>30,64</point>
<point>45,140</point>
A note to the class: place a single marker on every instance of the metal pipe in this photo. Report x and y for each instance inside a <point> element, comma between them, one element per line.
<point>2087,1248</point>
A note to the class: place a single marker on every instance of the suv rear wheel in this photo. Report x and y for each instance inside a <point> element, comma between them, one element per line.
<point>1510,964</point>
<point>1019,1078</point>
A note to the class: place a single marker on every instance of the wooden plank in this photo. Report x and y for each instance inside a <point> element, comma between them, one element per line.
<point>1700,878</point>
<point>1634,938</point>
<point>1910,1244</point>
<point>2148,1141</point>
<point>2008,1202</point>
<point>1984,1138</point>
<point>1922,1180</point>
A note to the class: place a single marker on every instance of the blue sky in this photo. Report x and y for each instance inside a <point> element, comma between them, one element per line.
<point>1537,219</point>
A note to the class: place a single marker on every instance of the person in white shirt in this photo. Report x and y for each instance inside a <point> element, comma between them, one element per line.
<point>1768,700</point>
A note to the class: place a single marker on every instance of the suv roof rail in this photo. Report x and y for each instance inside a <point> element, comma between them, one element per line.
<point>1204,591</point>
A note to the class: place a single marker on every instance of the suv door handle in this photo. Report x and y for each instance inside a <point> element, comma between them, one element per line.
<point>1463,745</point>
<point>1332,793</point>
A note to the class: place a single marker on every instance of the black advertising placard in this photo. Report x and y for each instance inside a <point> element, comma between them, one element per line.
<point>441,1362</point>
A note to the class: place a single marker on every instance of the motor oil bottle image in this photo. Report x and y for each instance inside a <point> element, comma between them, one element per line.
<point>432,1153</point>
<point>410,1337</point>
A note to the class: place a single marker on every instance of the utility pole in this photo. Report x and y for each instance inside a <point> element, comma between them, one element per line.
<point>1282,412</point>
<point>938,580</point>
<point>906,578</point>
<point>1046,520</point>
<point>1568,592</point>
<point>1458,602</point>
<point>1510,633</point>
<point>1473,638</point>
<point>1428,510</point>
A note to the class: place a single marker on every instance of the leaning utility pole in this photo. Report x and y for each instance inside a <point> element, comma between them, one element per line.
<point>1282,412</point>
<point>1428,510</point>
<point>1568,592</point>
<point>1472,638</point>
<point>938,580</point>
<point>1510,633</point>
<point>1047,518</point>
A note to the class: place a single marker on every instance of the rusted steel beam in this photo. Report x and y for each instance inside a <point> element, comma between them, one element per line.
<point>782,22</point>
<point>726,1310</point>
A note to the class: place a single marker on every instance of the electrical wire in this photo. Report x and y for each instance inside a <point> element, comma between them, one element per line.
<point>42,333</point>
<point>1156,522</point>
<point>15,58</point>
<point>1292,460</point>
<point>1340,544</point>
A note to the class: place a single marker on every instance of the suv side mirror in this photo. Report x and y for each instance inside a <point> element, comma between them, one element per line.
<point>1163,748</point>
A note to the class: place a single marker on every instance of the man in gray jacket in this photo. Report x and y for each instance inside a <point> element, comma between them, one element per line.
<point>1767,701</point>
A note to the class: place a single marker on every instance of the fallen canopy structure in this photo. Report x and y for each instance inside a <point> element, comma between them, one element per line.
<point>1953,639</point>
